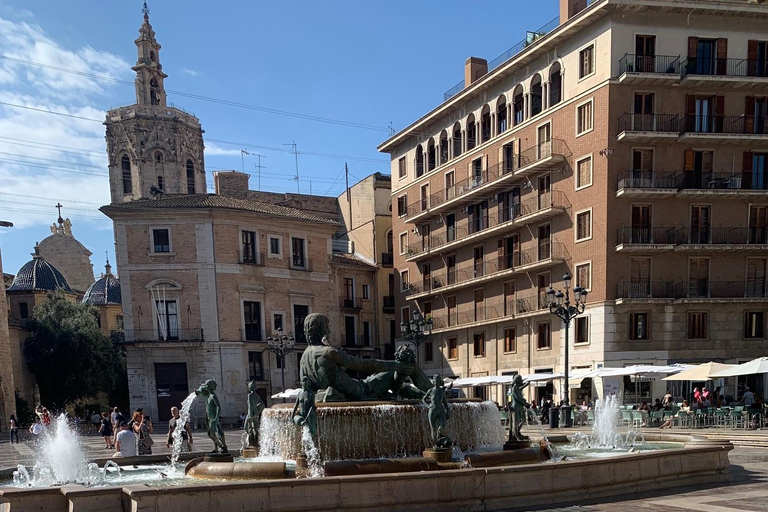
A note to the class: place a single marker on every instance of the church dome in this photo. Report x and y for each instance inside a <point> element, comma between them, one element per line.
<point>39,275</point>
<point>105,291</point>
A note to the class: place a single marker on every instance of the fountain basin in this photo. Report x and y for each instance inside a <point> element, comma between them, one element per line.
<point>379,430</point>
<point>201,468</point>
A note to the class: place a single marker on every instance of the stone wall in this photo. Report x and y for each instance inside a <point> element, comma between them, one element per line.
<point>7,398</point>
<point>71,258</point>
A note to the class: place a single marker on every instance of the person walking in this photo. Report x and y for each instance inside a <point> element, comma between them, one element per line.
<point>186,433</point>
<point>105,431</point>
<point>14,428</point>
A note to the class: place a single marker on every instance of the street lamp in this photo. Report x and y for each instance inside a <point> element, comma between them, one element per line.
<point>417,330</point>
<point>560,305</point>
<point>281,346</point>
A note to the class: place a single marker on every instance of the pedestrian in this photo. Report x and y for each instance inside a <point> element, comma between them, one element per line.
<point>748,398</point>
<point>142,428</point>
<point>46,417</point>
<point>105,431</point>
<point>96,421</point>
<point>186,433</point>
<point>697,396</point>
<point>37,427</point>
<point>126,442</point>
<point>14,428</point>
<point>117,418</point>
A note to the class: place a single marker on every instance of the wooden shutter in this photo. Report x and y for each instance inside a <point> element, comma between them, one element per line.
<point>500,166</point>
<point>746,176</point>
<point>690,160</point>
<point>752,57</point>
<point>706,161</point>
<point>747,161</point>
<point>755,277</point>
<point>690,104</point>
<point>640,269</point>
<point>749,114</point>
<point>693,47</point>
<point>722,56</point>
<point>500,253</point>
<point>719,111</point>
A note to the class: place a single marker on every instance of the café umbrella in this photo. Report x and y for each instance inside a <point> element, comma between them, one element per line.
<point>700,372</point>
<point>759,365</point>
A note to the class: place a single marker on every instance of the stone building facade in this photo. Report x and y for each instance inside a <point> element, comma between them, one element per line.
<point>72,258</point>
<point>7,382</point>
<point>625,145</point>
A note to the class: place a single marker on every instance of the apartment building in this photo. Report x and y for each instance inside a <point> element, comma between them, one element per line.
<point>624,143</point>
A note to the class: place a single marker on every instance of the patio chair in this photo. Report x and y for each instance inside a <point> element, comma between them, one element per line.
<point>590,418</point>
<point>626,417</point>
<point>637,418</point>
<point>504,415</point>
<point>720,418</point>
<point>684,419</point>
<point>755,417</point>
<point>737,417</point>
<point>657,417</point>
<point>701,418</point>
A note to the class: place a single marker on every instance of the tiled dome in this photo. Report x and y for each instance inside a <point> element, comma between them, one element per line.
<point>104,291</point>
<point>39,275</point>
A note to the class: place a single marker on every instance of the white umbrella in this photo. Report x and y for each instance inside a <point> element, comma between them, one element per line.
<point>487,380</point>
<point>288,393</point>
<point>538,377</point>
<point>759,365</point>
<point>700,372</point>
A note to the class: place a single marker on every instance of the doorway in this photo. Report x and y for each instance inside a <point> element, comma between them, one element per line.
<point>172,387</point>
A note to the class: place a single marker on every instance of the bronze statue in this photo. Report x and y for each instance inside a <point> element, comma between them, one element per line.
<point>213,416</point>
<point>304,412</point>
<point>439,413</point>
<point>253,417</point>
<point>326,366</point>
<point>519,406</point>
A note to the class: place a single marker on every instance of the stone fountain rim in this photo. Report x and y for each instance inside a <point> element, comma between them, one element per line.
<point>374,403</point>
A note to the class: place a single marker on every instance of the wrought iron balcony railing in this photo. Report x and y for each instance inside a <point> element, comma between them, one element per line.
<point>630,122</point>
<point>664,64</point>
<point>155,335</point>
<point>691,289</point>
<point>646,236</point>
<point>647,179</point>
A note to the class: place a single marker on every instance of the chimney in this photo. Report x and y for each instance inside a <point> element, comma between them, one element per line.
<point>474,68</point>
<point>231,184</point>
<point>570,8</point>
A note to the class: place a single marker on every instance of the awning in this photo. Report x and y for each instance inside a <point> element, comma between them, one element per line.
<point>288,393</point>
<point>487,380</point>
<point>759,365</point>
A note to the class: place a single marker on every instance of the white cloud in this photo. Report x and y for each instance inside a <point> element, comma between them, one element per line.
<point>214,150</point>
<point>190,72</point>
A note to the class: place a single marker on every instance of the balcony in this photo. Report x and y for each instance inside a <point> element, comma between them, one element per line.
<point>154,336</point>
<point>350,302</point>
<point>722,239</point>
<point>546,155</point>
<point>472,273</point>
<point>535,209</point>
<point>724,129</point>
<point>724,73</point>
<point>693,289</point>
<point>387,259</point>
<point>492,311</point>
<point>722,184</point>
<point>650,184</point>
<point>648,127</point>
<point>645,239</point>
<point>389,304</point>
<point>649,70</point>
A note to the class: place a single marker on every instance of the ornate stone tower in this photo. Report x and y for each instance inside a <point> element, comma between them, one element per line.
<point>153,149</point>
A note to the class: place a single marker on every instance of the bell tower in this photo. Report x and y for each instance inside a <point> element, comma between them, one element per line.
<point>154,150</point>
<point>149,72</point>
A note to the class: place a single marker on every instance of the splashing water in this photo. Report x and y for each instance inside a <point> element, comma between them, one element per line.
<point>314,463</point>
<point>177,437</point>
<point>604,434</point>
<point>537,422</point>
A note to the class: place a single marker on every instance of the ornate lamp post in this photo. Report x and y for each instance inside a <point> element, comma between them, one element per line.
<point>560,305</point>
<point>417,330</point>
<point>281,346</point>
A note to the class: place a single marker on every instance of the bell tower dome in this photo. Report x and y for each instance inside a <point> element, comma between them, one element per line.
<point>153,149</point>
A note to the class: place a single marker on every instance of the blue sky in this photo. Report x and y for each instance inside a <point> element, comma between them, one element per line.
<point>369,63</point>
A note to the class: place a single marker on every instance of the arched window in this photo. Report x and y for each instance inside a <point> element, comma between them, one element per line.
<point>154,92</point>
<point>190,177</point>
<point>419,161</point>
<point>555,84</point>
<point>431,155</point>
<point>518,106</point>
<point>471,132</point>
<point>389,241</point>
<point>443,147</point>
<point>456,140</point>
<point>536,96</point>
<point>158,157</point>
<point>485,123</point>
<point>501,114</point>
<point>125,166</point>
<point>152,56</point>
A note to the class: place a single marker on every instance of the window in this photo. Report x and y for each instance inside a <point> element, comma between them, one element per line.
<point>402,205</point>
<point>405,314</point>
<point>584,118</point>
<point>366,334</point>
<point>190,177</point>
<point>300,313</point>
<point>160,183</point>
<point>275,247</point>
<point>479,305</point>
<point>584,225</point>
<point>425,197</point>
<point>349,290</point>
<point>119,322</point>
<point>158,157</point>
<point>249,247</point>
<point>509,298</point>
<point>697,325</point>
<point>167,315</point>
<point>638,326</point>
<point>277,322</point>
<point>366,291</point>
<point>252,320</point>
<point>584,173</point>
<point>756,286</point>
<point>453,312</point>
<point>543,336</point>
<point>453,348</point>
<point>509,340</point>
<point>584,275</point>
<point>23,310</point>
<point>754,324</point>
<point>401,171</point>
<point>98,321</point>
<point>161,240</point>
<point>404,281</point>
<point>403,242</point>
<point>582,329</point>
<point>429,352</point>
<point>125,166</point>
<point>299,258</point>
<point>255,366</point>
<point>478,344</point>
<point>586,61</point>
